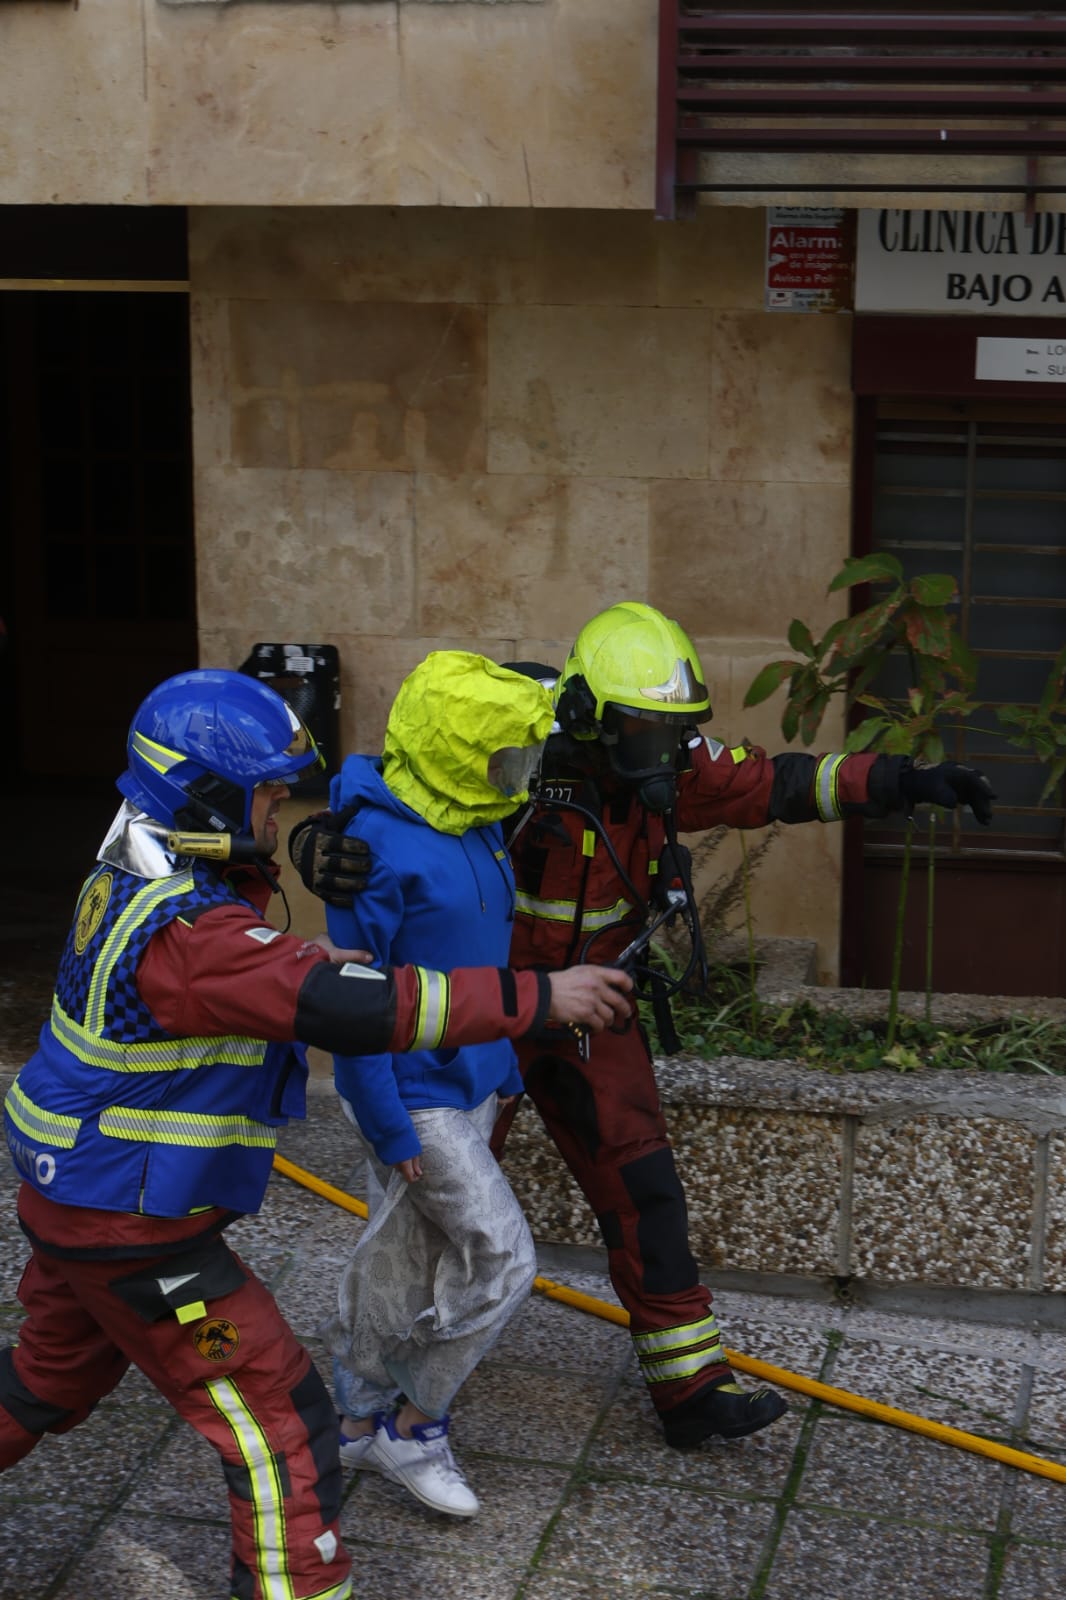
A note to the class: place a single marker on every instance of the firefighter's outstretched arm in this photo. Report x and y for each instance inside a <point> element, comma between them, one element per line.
<point>745,788</point>
<point>353,1009</point>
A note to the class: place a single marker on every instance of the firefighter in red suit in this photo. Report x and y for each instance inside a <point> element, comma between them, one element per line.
<point>626,770</point>
<point>146,1120</point>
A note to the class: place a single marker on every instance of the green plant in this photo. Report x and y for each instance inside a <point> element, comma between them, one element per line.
<point>1042,728</point>
<point>912,617</point>
<point>718,1022</point>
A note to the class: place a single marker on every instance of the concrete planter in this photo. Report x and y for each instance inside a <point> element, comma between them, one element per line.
<point>952,1179</point>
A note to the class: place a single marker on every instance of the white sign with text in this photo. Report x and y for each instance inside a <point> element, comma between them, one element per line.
<point>968,261</point>
<point>1021,360</point>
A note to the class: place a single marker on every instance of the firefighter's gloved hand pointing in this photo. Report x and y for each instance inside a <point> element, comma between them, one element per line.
<point>948,785</point>
<point>332,865</point>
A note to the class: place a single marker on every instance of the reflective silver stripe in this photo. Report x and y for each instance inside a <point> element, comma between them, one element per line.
<point>825,788</point>
<point>142,904</point>
<point>565,911</point>
<point>37,1123</point>
<point>677,1338</point>
<point>268,1498</point>
<point>434,1001</point>
<point>192,1128</point>
<point>158,1055</point>
<point>682,1366</point>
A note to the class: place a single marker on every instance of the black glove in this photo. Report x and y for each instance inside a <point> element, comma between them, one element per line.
<point>332,865</point>
<point>947,785</point>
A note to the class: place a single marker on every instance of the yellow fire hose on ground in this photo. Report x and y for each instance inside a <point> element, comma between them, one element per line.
<point>757,1369</point>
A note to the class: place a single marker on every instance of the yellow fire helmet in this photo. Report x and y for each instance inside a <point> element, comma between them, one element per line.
<point>632,657</point>
<point>463,739</point>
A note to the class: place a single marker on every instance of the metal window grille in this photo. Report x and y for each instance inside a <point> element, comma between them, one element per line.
<point>973,80</point>
<point>984,497</point>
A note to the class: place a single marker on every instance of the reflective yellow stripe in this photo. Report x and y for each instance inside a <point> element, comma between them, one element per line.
<point>193,1128</point>
<point>682,1367</point>
<point>739,754</point>
<point>431,1013</point>
<point>191,1312</point>
<point>37,1123</point>
<point>156,755</point>
<point>143,903</point>
<point>588,843</point>
<point>825,788</point>
<point>676,1338</point>
<point>566,910</point>
<point>268,1498</point>
<point>158,1055</point>
<point>337,1591</point>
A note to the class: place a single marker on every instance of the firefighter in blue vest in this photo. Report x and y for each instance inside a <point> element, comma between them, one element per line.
<point>146,1120</point>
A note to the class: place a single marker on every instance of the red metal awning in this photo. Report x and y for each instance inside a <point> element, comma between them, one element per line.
<point>962,81</point>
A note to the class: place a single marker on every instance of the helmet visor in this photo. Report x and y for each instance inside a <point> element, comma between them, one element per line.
<point>301,750</point>
<point>512,770</point>
<point>640,744</point>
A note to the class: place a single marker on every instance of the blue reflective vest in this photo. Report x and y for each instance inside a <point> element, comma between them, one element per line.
<point>114,1112</point>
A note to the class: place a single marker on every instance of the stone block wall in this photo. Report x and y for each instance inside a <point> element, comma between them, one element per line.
<point>951,1179</point>
<point>419,429</point>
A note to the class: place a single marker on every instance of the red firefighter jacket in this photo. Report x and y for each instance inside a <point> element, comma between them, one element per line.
<point>573,901</point>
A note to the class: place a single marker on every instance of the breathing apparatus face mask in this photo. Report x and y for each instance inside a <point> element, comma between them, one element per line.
<point>642,749</point>
<point>513,770</point>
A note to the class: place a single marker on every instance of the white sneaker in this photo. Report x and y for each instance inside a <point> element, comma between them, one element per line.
<point>356,1452</point>
<point>424,1464</point>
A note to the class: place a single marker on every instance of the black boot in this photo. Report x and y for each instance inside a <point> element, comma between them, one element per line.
<point>723,1408</point>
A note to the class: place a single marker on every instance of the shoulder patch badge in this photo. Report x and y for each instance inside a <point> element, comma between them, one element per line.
<point>216,1339</point>
<point>91,912</point>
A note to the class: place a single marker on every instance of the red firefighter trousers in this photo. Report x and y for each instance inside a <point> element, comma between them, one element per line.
<point>237,1373</point>
<point>604,1115</point>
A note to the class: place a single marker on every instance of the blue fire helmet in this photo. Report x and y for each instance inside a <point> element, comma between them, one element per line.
<point>202,741</point>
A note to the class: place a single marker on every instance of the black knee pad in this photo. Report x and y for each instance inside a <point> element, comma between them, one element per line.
<point>654,1187</point>
<point>318,1415</point>
<point>31,1413</point>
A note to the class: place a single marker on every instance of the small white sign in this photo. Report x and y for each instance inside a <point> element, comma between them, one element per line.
<point>1021,360</point>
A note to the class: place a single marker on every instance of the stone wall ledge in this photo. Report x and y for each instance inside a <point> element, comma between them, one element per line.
<point>941,1179</point>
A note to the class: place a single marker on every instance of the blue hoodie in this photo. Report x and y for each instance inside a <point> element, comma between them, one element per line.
<point>438,900</point>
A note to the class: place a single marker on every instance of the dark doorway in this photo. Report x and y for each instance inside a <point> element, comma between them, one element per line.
<point>96,518</point>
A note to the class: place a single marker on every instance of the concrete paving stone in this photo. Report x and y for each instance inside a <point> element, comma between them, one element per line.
<point>1045,1432</point>
<point>836,1557</point>
<point>1033,1572</point>
<point>378,1512</point>
<point>95,1461</point>
<point>630,1442</point>
<point>799,1349</point>
<point>983,1341</point>
<point>548,1333</point>
<point>965,1392</point>
<point>14,1252</point>
<point>384,1574</point>
<point>527,1413</point>
<point>659,1535</point>
<point>324,1142</point>
<point>34,1548</point>
<point>915,1477</point>
<point>306,1292</point>
<point>732,1305</point>
<point>550,1586</point>
<point>185,1480</point>
<point>134,1558</point>
<point>1039,1508</point>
